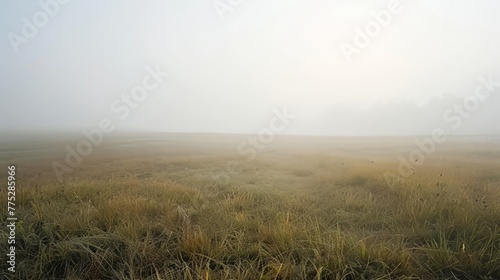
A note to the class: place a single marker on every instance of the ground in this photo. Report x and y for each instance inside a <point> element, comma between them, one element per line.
<point>190,206</point>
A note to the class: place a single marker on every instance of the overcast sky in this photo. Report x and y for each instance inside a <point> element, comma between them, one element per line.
<point>231,66</point>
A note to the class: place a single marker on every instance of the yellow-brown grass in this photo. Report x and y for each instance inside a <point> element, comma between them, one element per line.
<point>306,216</point>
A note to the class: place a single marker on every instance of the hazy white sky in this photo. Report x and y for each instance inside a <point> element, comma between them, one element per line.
<point>228,75</point>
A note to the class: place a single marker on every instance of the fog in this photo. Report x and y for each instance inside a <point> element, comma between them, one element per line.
<point>232,64</point>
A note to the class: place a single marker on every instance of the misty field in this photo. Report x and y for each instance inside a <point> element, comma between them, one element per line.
<point>174,206</point>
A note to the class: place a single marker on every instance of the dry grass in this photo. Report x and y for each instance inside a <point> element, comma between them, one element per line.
<point>302,216</point>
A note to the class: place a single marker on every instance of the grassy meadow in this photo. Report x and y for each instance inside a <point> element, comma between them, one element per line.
<point>174,206</point>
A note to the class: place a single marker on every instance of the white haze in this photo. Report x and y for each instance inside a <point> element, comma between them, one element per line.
<point>228,76</point>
